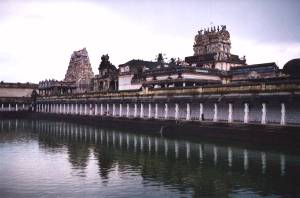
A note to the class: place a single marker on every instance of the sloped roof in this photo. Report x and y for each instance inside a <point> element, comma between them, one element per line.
<point>137,63</point>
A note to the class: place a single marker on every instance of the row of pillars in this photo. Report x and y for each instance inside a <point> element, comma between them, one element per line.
<point>89,109</point>
<point>14,107</point>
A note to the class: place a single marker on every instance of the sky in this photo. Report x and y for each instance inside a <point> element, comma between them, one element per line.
<point>37,38</point>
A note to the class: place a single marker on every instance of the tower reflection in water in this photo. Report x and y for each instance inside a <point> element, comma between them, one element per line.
<point>182,164</point>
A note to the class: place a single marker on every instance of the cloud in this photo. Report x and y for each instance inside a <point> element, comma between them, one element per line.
<point>37,38</point>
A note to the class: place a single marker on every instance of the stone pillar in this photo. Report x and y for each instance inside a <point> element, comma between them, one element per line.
<point>201,116</point>
<point>246,113</point>
<point>2,107</point>
<point>142,111</point>
<point>60,108</point>
<point>107,109</point>
<point>283,111</point>
<point>96,109</point>
<point>127,110</point>
<point>135,110</point>
<point>72,109</point>
<point>156,111</point>
<point>149,110</point>
<point>16,107</point>
<point>114,110</point>
<point>120,110</point>
<point>264,113</point>
<point>76,108</point>
<point>85,109</point>
<point>79,109</point>
<point>166,111</point>
<point>188,111</point>
<point>23,107</point>
<point>230,112</point>
<point>101,109</point>
<point>64,109</point>
<point>91,109</point>
<point>176,116</point>
<point>215,112</point>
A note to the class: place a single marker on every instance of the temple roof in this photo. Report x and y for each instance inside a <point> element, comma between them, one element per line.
<point>137,63</point>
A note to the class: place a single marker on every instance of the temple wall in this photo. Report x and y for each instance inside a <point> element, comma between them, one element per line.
<point>273,110</point>
<point>250,103</point>
<point>15,92</point>
<point>126,84</point>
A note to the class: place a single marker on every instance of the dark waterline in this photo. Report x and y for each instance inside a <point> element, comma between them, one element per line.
<point>59,159</point>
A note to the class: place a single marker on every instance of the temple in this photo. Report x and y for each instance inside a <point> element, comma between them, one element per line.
<point>211,64</point>
<point>77,79</point>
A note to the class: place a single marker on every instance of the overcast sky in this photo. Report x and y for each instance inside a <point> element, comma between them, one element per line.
<point>37,38</point>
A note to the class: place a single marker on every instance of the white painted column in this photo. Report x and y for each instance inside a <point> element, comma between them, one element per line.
<point>60,108</point>
<point>91,109</point>
<point>142,111</point>
<point>23,107</point>
<point>166,111</point>
<point>156,111</point>
<point>283,111</point>
<point>246,113</point>
<point>114,110</point>
<point>135,110</point>
<point>96,109</point>
<point>16,107</point>
<point>69,108</point>
<point>76,108</point>
<point>230,112</point>
<point>264,113</point>
<point>72,108</point>
<point>127,110</point>
<point>188,111</point>
<point>120,110</point>
<point>64,109</point>
<point>149,110</point>
<point>107,109</point>
<point>176,116</point>
<point>201,112</point>
<point>85,109</point>
<point>215,112</point>
<point>101,109</point>
<point>2,107</point>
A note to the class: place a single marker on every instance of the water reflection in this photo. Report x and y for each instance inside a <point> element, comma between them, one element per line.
<point>189,168</point>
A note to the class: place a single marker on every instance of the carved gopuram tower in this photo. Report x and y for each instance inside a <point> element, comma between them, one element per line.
<point>212,50</point>
<point>79,67</point>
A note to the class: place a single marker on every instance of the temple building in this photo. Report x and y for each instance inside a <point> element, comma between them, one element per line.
<point>131,73</point>
<point>212,50</point>
<point>77,79</point>
<point>80,71</point>
<point>107,79</point>
<point>211,64</point>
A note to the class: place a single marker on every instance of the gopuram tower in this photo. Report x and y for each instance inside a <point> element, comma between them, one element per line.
<point>212,50</point>
<point>79,67</point>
